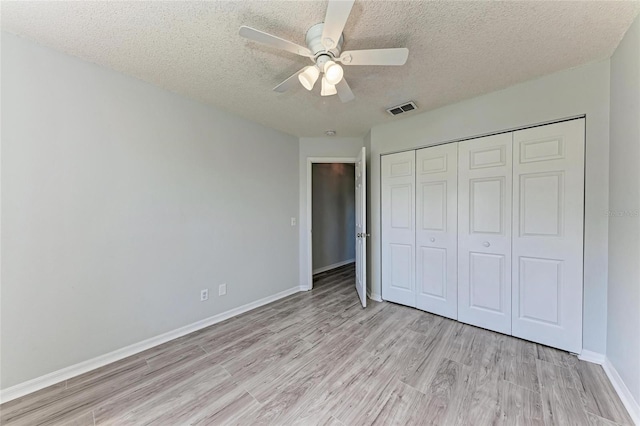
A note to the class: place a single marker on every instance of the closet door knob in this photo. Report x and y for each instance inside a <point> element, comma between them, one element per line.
<point>433,240</point>
<point>486,244</point>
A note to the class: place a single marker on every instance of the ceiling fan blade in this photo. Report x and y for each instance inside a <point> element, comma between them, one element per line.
<point>337,14</point>
<point>288,83</point>
<point>344,91</point>
<point>396,56</point>
<point>271,40</point>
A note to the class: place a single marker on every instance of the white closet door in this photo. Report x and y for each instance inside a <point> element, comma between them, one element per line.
<point>436,230</point>
<point>548,195</point>
<point>484,232</point>
<point>398,228</point>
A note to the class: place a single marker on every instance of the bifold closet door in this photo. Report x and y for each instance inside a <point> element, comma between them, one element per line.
<point>398,228</point>
<point>548,194</point>
<point>436,230</point>
<point>484,232</point>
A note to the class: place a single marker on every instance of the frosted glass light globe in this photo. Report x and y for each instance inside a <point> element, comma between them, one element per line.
<point>309,76</point>
<point>333,72</point>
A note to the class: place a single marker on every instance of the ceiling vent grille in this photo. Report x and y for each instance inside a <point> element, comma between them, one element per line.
<point>400,109</point>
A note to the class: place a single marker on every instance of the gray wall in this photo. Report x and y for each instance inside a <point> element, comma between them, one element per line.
<point>623,319</point>
<point>582,90</point>
<point>333,217</point>
<point>120,201</point>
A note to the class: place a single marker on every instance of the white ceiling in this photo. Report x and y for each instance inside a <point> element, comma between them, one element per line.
<point>457,50</point>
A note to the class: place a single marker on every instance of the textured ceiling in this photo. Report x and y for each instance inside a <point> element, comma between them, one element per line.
<point>457,50</point>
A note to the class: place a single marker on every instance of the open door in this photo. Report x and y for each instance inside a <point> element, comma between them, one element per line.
<point>361,227</point>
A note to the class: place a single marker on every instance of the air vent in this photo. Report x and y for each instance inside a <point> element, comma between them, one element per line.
<point>400,109</point>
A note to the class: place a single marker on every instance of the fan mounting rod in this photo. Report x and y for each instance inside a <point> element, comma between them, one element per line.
<point>318,46</point>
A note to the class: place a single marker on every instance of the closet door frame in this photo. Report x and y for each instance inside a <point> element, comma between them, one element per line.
<point>574,346</point>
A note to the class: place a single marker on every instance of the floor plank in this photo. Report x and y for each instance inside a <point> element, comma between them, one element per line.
<point>319,358</point>
<point>599,395</point>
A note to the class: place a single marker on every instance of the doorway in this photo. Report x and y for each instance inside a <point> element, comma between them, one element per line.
<point>333,216</point>
<point>344,226</point>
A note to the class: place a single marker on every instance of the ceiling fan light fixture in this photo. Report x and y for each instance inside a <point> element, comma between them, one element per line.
<point>333,72</point>
<point>324,42</point>
<point>328,89</point>
<point>309,76</point>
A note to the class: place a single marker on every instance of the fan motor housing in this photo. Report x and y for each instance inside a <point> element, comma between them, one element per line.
<point>314,42</point>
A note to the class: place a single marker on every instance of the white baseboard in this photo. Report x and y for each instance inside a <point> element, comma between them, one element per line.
<point>632,406</point>
<point>333,266</point>
<point>374,296</point>
<point>66,373</point>
<point>590,356</point>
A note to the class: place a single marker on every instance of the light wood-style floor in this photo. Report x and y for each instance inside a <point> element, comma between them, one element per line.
<point>319,358</point>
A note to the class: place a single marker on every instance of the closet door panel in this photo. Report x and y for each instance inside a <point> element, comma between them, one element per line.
<point>486,282</point>
<point>548,193</point>
<point>484,232</point>
<point>436,230</point>
<point>398,228</point>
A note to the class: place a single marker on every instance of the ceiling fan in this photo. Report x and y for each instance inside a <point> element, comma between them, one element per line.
<point>324,48</point>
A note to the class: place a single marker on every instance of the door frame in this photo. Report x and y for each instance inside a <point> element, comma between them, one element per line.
<point>310,162</point>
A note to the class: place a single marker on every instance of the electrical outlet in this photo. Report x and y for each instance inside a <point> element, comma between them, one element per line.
<point>222,290</point>
<point>204,294</point>
<point>293,221</point>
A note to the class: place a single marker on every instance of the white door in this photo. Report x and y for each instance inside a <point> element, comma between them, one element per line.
<point>437,230</point>
<point>361,227</point>
<point>484,232</point>
<point>398,228</point>
<point>548,209</point>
